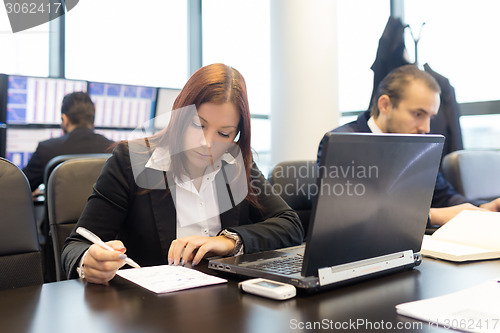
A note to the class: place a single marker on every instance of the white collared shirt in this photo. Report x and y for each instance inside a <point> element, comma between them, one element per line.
<point>197,210</point>
<point>373,126</point>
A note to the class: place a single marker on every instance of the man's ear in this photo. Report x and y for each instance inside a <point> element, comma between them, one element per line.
<point>384,104</point>
<point>65,120</point>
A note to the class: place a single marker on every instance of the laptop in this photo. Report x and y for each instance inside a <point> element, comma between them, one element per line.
<point>368,218</point>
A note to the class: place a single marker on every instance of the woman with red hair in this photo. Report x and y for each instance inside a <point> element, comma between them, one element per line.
<point>190,191</point>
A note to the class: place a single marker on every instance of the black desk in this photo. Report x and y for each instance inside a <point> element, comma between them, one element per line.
<point>74,306</point>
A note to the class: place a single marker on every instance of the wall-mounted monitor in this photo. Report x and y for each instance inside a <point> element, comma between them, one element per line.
<point>35,100</point>
<point>124,134</point>
<point>124,106</point>
<point>21,143</point>
<point>3,133</point>
<point>166,99</point>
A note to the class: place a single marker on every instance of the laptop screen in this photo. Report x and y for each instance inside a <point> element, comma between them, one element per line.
<point>372,197</point>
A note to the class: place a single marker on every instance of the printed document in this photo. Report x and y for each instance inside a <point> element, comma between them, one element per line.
<point>166,279</point>
<point>476,309</point>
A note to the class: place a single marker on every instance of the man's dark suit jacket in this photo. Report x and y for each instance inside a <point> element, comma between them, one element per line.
<point>444,194</point>
<point>146,220</point>
<point>81,140</point>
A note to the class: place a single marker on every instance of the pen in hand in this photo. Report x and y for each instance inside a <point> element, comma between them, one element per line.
<point>96,240</point>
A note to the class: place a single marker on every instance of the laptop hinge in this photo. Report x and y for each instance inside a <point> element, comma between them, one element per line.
<point>329,275</point>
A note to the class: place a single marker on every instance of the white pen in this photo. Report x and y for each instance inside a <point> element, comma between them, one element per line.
<point>96,240</point>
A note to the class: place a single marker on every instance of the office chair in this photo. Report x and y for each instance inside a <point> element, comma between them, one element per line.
<point>53,163</point>
<point>45,236</point>
<point>68,188</point>
<point>294,180</point>
<point>474,173</point>
<point>20,257</point>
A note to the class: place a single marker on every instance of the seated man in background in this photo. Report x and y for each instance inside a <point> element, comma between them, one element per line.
<point>406,100</point>
<point>77,114</point>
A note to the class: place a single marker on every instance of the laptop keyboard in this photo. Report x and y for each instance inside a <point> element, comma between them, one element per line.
<point>285,265</point>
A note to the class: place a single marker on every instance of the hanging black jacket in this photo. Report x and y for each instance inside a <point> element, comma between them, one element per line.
<point>447,121</point>
<point>390,52</point>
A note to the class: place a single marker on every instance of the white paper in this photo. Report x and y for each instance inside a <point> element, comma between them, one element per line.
<point>167,278</point>
<point>473,228</point>
<point>430,244</point>
<point>476,309</point>
<point>470,235</point>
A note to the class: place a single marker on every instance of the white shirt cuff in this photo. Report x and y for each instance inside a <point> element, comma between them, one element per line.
<point>79,269</point>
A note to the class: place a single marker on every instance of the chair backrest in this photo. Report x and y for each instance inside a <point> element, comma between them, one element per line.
<point>474,173</point>
<point>68,188</point>
<point>54,162</point>
<point>45,236</point>
<point>294,181</point>
<point>20,258</point>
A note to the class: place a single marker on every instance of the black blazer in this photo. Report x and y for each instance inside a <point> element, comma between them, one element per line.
<point>146,220</point>
<point>81,140</point>
<point>444,193</point>
<point>390,52</point>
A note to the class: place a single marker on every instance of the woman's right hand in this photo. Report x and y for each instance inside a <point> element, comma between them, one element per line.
<point>100,265</point>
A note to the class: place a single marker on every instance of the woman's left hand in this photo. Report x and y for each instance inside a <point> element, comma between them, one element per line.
<point>194,248</point>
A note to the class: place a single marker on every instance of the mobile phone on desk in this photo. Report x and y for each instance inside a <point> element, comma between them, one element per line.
<point>268,288</point>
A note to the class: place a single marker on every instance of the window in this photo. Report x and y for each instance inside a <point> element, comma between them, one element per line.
<point>25,52</point>
<point>129,42</point>
<point>481,132</point>
<point>459,41</point>
<point>237,33</point>
<point>360,26</point>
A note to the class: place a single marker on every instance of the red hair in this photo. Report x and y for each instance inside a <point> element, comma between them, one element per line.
<point>218,84</point>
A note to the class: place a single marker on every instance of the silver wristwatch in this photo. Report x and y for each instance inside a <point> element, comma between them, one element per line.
<point>234,236</point>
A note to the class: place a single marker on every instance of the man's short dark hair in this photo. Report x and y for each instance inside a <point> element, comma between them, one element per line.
<point>79,109</point>
<point>395,83</point>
